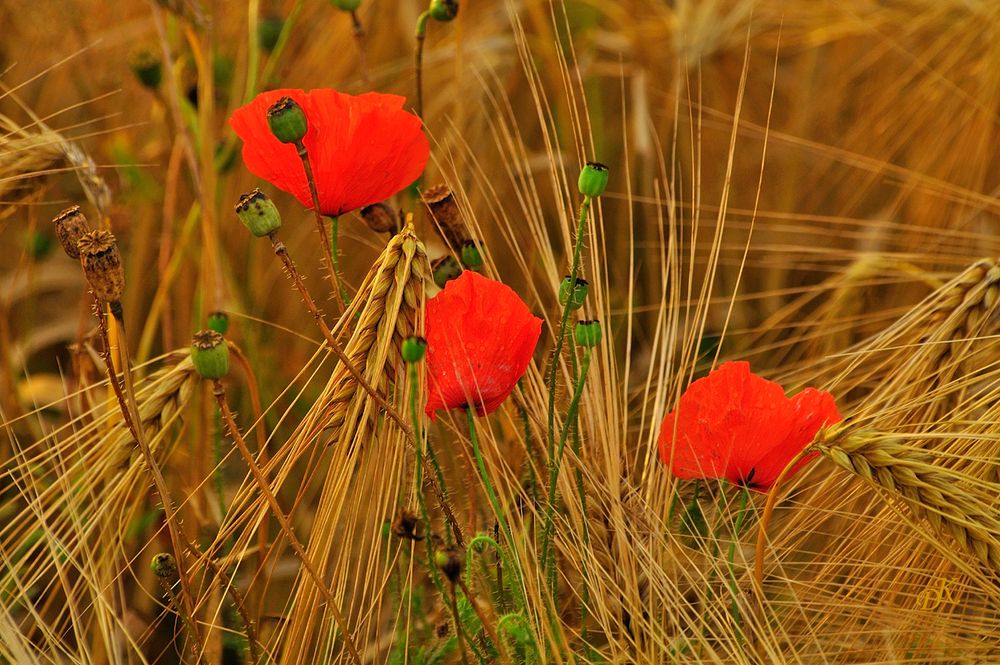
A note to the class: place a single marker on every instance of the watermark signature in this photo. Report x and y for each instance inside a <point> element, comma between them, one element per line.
<point>933,596</point>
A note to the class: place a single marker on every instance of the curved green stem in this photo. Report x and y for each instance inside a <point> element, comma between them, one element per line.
<point>571,416</point>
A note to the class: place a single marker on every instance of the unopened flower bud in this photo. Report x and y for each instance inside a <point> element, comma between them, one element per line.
<point>147,69</point>
<point>443,10</point>
<point>413,349</point>
<point>593,179</point>
<point>588,333</point>
<point>346,5</point>
<point>441,205</point>
<point>210,354</point>
<point>164,566</point>
<point>71,225</point>
<point>287,120</point>
<point>258,213</point>
<point>573,291</point>
<point>269,31</point>
<point>380,218</point>
<point>445,269</point>
<point>449,562</point>
<point>102,265</point>
<point>404,525</point>
<point>219,322</point>
<point>472,255</point>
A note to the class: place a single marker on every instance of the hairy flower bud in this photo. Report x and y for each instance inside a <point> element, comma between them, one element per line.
<point>164,566</point>
<point>443,10</point>
<point>573,291</point>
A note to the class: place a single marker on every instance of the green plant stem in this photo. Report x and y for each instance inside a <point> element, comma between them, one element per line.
<point>411,371</point>
<point>421,35</point>
<point>737,526</point>
<point>571,416</point>
<point>335,254</point>
<point>331,265</point>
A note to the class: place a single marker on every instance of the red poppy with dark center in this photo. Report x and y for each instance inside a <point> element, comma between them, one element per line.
<point>736,425</point>
<point>363,149</point>
<point>480,338</point>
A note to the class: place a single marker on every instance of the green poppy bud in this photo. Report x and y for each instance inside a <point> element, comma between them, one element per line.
<point>445,269</point>
<point>443,10</point>
<point>472,255</point>
<point>573,291</point>
<point>268,31</point>
<point>287,120</point>
<point>164,566</point>
<point>588,333</point>
<point>449,562</point>
<point>219,322</point>
<point>210,354</point>
<point>414,349</point>
<point>593,179</point>
<point>147,69</point>
<point>258,213</point>
<point>346,5</point>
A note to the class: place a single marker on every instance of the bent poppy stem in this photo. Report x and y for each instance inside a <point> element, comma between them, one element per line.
<point>219,391</point>
<point>335,254</point>
<point>494,502</point>
<point>571,415</point>
<point>318,215</point>
<point>421,34</point>
<point>282,253</point>
<point>737,526</point>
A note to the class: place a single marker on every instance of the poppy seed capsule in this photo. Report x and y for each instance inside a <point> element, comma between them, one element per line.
<point>164,566</point>
<point>102,265</point>
<point>147,69</point>
<point>287,120</point>
<point>573,291</point>
<point>219,322</point>
<point>258,213</point>
<point>210,354</point>
<point>445,269</point>
<point>443,10</point>
<point>346,5</point>
<point>405,525</point>
<point>441,205</point>
<point>593,179</point>
<point>588,333</point>
<point>414,349</point>
<point>70,225</point>
<point>380,218</point>
<point>472,255</point>
<point>449,563</point>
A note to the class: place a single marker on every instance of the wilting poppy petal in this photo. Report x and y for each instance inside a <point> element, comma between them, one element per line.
<point>480,338</point>
<point>736,425</point>
<point>363,149</point>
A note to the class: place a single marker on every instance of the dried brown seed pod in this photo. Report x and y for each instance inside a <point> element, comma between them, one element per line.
<point>380,218</point>
<point>102,265</point>
<point>405,525</point>
<point>440,202</point>
<point>71,224</point>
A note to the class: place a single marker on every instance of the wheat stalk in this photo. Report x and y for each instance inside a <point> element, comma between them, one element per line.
<point>930,491</point>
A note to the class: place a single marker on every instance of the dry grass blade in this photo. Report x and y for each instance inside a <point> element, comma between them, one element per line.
<point>929,490</point>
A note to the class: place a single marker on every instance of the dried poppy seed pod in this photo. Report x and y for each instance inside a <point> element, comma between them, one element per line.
<point>443,10</point>
<point>380,218</point>
<point>573,291</point>
<point>287,120</point>
<point>593,179</point>
<point>147,69</point>
<point>472,255</point>
<point>588,333</point>
<point>449,562</point>
<point>414,349</point>
<point>441,205</point>
<point>445,269</point>
<point>102,265</point>
<point>219,322</point>
<point>71,225</point>
<point>164,566</point>
<point>258,213</point>
<point>405,525</point>
<point>346,5</point>
<point>210,354</point>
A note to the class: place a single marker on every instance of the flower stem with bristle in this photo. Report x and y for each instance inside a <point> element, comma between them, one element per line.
<point>219,391</point>
<point>331,264</point>
<point>334,232</point>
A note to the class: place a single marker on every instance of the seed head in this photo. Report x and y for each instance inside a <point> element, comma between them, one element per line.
<point>164,566</point>
<point>413,349</point>
<point>210,354</point>
<point>258,213</point>
<point>588,333</point>
<point>102,265</point>
<point>573,291</point>
<point>593,179</point>
<point>287,120</point>
<point>443,10</point>
<point>445,269</point>
<point>380,218</point>
<point>441,205</point>
<point>472,255</point>
<point>70,225</point>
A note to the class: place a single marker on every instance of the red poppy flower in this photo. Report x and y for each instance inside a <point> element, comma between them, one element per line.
<point>480,337</point>
<point>362,149</point>
<point>736,425</point>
